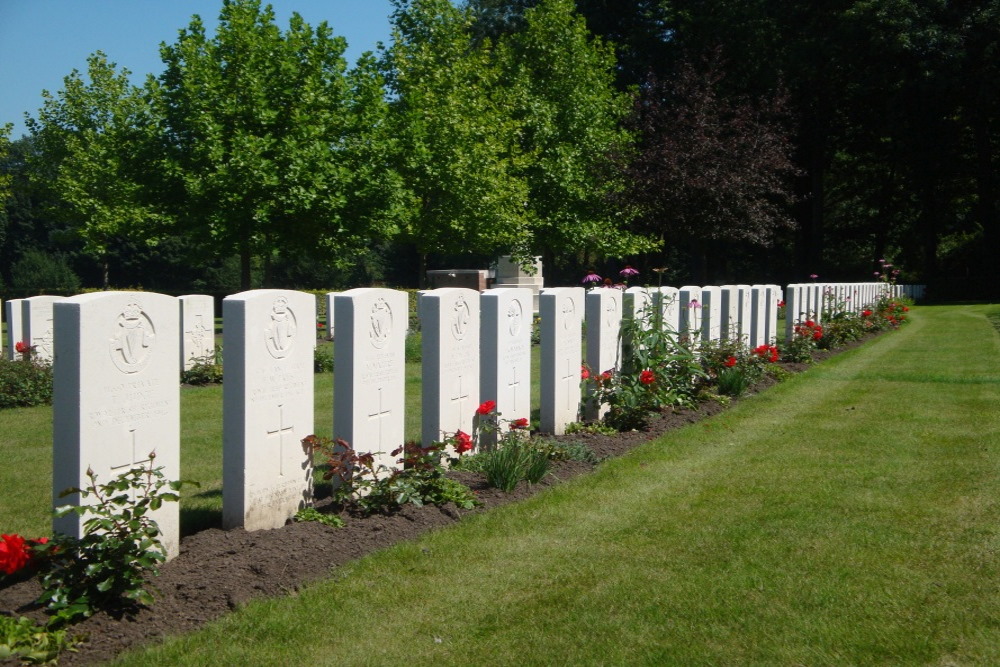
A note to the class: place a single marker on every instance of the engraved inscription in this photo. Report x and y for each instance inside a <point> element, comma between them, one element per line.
<point>461,318</point>
<point>132,339</point>
<point>280,332</point>
<point>569,313</point>
<point>515,314</point>
<point>381,324</point>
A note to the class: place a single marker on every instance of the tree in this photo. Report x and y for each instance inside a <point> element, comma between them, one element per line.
<point>269,141</point>
<point>91,153</point>
<point>709,168</point>
<point>5,178</point>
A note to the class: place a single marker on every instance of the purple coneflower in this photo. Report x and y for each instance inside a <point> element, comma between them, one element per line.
<point>591,278</point>
<point>628,272</point>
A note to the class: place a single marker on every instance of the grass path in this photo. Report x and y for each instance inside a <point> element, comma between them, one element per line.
<point>848,516</point>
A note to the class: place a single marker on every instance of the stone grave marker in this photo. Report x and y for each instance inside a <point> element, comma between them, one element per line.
<point>711,312</point>
<point>330,314</point>
<point>729,311</point>
<point>668,301</point>
<point>561,310</point>
<point>450,373</point>
<point>603,308</point>
<point>116,396</point>
<point>793,308</point>
<point>690,312</point>
<point>370,378</point>
<point>505,340</point>
<point>771,314</point>
<point>758,315</point>
<point>197,329</point>
<point>15,332</point>
<point>267,406</point>
<point>509,274</point>
<point>36,324</point>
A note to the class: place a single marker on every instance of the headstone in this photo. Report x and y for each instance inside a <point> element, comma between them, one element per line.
<point>330,314</point>
<point>771,314</point>
<point>474,279</point>
<point>758,315</point>
<point>711,312</point>
<point>197,329</point>
<point>509,274</point>
<point>604,319</point>
<point>668,301</point>
<point>116,396</point>
<point>638,305</point>
<point>15,332</point>
<point>561,309</point>
<point>744,310</point>
<point>370,378</point>
<point>793,309</point>
<point>690,312</point>
<point>450,393</point>
<point>729,311</point>
<point>36,324</point>
<point>505,339</point>
<point>267,406</point>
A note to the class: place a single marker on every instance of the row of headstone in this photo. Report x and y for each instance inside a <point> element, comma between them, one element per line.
<point>30,320</point>
<point>817,301</point>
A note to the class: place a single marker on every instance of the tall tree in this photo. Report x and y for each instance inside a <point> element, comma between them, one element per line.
<point>268,138</point>
<point>92,144</point>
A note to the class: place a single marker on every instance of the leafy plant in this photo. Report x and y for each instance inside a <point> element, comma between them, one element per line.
<point>313,514</point>
<point>25,382</point>
<point>514,457</point>
<point>107,567</point>
<point>413,347</point>
<point>323,358</point>
<point>804,339</point>
<point>596,428</point>
<point>204,370</point>
<point>567,451</point>
<point>23,639</point>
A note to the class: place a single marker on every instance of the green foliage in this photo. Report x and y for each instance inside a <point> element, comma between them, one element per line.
<point>204,370</point>
<point>23,640</point>
<point>513,456</point>
<point>598,428</point>
<point>37,270</point>
<point>313,514</point>
<point>804,339</point>
<point>25,382</point>
<point>568,451</point>
<point>5,179</point>
<point>734,368</point>
<point>413,347</point>
<point>323,358</point>
<point>120,547</point>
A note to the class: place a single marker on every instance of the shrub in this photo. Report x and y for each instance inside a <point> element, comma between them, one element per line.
<point>38,270</point>
<point>204,370</point>
<point>413,347</point>
<point>23,640</point>
<point>25,383</point>
<point>323,358</point>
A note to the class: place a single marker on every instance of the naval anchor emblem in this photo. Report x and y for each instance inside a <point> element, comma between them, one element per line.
<point>133,339</point>
<point>280,334</point>
<point>381,324</point>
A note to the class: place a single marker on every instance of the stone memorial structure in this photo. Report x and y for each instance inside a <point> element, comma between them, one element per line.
<point>15,332</point>
<point>711,312</point>
<point>505,341</point>
<point>474,279</point>
<point>329,296</point>
<point>449,320</point>
<point>117,396</point>
<point>603,309</point>
<point>690,312</point>
<point>267,340</point>
<point>370,378</point>
<point>729,311</point>
<point>561,310</point>
<point>758,315</point>
<point>197,329</point>
<point>36,324</point>
<point>667,300</point>
<point>509,274</point>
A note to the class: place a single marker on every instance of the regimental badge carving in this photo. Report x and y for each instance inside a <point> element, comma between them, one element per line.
<point>610,312</point>
<point>569,313</point>
<point>515,314</point>
<point>44,340</point>
<point>133,339</point>
<point>381,324</point>
<point>280,333</point>
<point>461,318</point>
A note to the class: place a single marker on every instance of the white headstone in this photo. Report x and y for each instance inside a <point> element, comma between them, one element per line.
<point>330,313</point>
<point>15,332</point>
<point>711,312</point>
<point>505,339</point>
<point>668,300</point>
<point>370,378</point>
<point>758,315</point>
<point>197,329</point>
<point>771,314</point>
<point>744,309</point>
<point>267,406</point>
<point>561,309</point>
<point>116,396</point>
<point>690,312</point>
<point>36,324</point>
<point>604,320</point>
<point>794,295</point>
<point>450,373</point>
<point>729,310</point>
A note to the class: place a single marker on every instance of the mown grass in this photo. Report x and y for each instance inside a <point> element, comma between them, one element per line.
<point>847,516</point>
<point>26,450</point>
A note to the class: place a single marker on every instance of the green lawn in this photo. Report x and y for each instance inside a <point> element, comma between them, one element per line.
<point>847,516</point>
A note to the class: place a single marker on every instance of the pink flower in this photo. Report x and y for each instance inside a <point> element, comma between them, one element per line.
<point>694,304</point>
<point>813,276</point>
<point>590,278</point>
<point>584,372</point>
<point>628,272</point>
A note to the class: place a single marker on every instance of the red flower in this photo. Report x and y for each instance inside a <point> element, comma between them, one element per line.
<point>486,408</point>
<point>866,313</point>
<point>906,309</point>
<point>810,323</point>
<point>13,553</point>
<point>519,424</point>
<point>730,362</point>
<point>22,347</point>
<point>762,350</point>
<point>781,304</point>
<point>647,377</point>
<point>584,372</point>
<point>463,442</point>
<point>605,376</point>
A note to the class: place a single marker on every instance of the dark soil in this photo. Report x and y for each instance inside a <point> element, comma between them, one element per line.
<point>219,570</point>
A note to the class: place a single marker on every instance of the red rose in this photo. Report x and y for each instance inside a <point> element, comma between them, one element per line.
<point>463,442</point>
<point>13,553</point>
<point>647,377</point>
<point>518,424</point>
<point>810,323</point>
<point>486,408</point>
<point>866,313</point>
<point>22,347</point>
<point>730,362</point>
<point>584,372</point>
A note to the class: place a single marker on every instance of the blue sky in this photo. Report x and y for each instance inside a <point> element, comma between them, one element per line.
<point>42,41</point>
